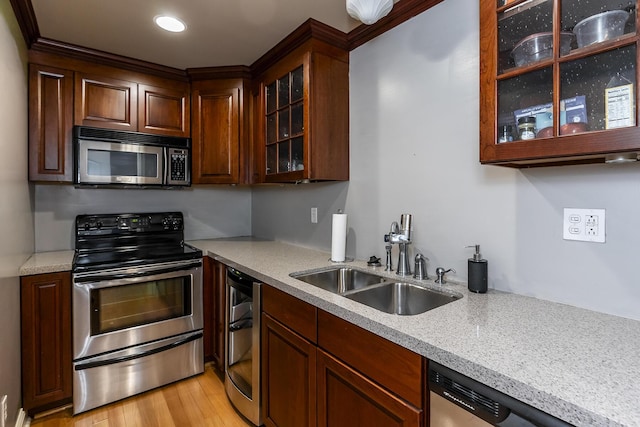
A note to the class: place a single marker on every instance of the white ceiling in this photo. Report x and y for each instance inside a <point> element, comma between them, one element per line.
<point>232,32</point>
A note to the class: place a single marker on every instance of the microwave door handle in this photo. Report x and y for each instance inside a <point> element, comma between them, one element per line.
<point>107,277</point>
<point>165,166</point>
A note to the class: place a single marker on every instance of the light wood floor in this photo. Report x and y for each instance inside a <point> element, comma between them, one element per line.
<point>197,401</point>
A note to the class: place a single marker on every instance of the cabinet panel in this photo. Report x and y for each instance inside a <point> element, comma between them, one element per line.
<point>46,340</point>
<point>213,302</point>
<point>346,398</point>
<point>288,377</point>
<point>220,132</point>
<point>354,346</point>
<point>298,315</point>
<point>105,102</point>
<point>163,111</point>
<point>50,124</point>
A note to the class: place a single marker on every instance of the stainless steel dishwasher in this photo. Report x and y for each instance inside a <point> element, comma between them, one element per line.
<point>242,344</point>
<point>458,401</point>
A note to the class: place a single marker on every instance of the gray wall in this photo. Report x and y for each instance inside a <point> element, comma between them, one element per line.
<point>209,212</point>
<point>16,218</point>
<point>414,105</point>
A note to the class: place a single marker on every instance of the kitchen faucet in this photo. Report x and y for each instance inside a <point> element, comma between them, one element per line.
<point>401,235</point>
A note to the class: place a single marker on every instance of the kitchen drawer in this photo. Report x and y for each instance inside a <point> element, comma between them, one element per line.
<point>397,369</point>
<point>298,315</point>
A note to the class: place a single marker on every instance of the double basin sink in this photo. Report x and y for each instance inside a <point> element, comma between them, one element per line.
<point>382,293</point>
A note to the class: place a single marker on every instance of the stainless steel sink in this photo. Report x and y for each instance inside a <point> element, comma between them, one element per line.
<point>402,298</point>
<point>381,293</point>
<point>340,280</point>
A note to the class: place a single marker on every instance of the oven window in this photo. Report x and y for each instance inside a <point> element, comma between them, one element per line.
<point>126,306</point>
<point>121,163</point>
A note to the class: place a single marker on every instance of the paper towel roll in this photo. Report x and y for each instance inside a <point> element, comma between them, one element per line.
<point>338,237</point>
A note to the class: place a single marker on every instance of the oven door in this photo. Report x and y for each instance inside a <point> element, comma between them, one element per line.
<point>103,162</point>
<point>119,308</point>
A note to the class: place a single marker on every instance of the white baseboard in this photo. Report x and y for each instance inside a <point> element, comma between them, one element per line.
<point>22,420</point>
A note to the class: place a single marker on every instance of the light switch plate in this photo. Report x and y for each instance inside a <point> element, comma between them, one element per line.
<point>586,225</point>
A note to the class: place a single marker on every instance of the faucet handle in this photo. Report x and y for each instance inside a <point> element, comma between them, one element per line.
<point>420,270</point>
<point>440,272</point>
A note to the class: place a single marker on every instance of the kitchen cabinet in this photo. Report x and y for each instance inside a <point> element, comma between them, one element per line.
<point>64,92</point>
<point>579,96</point>
<point>303,116</point>
<point>220,134</point>
<point>164,110</point>
<point>213,301</point>
<point>319,370</point>
<point>348,398</point>
<point>50,123</point>
<point>106,102</point>
<point>288,360</point>
<point>46,341</point>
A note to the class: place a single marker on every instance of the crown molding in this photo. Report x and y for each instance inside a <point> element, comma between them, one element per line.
<point>105,58</point>
<point>402,11</point>
<point>310,29</point>
<point>213,73</point>
<point>26,17</point>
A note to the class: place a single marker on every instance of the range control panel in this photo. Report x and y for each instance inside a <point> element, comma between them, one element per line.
<point>96,225</point>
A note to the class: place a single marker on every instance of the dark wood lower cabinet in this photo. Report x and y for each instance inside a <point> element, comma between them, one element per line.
<point>346,398</point>
<point>46,341</point>
<point>288,377</point>
<point>319,370</point>
<point>213,308</point>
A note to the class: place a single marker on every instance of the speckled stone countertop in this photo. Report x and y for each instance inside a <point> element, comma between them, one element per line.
<point>579,365</point>
<point>47,262</point>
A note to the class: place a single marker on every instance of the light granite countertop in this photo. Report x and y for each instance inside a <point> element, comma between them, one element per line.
<point>47,262</point>
<point>578,365</point>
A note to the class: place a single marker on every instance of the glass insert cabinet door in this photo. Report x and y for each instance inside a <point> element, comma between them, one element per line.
<point>285,121</point>
<point>558,81</point>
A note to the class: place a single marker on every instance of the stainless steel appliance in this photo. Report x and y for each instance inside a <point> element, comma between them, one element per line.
<point>137,306</point>
<point>116,158</point>
<point>242,344</point>
<point>458,401</point>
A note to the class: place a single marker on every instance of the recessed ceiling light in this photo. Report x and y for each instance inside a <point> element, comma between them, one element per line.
<point>170,23</point>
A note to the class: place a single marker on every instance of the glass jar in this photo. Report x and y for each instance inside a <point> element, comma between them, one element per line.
<point>527,127</point>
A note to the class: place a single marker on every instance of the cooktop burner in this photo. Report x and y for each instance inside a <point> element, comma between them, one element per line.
<point>122,240</point>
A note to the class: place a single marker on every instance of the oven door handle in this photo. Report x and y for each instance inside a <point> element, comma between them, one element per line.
<point>106,277</point>
<point>96,364</point>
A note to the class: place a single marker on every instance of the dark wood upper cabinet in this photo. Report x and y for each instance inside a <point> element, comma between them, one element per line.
<point>579,97</point>
<point>50,123</point>
<point>46,341</point>
<point>164,111</point>
<point>220,136</point>
<point>64,92</point>
<point>302,116</point>
<point>105,102</point>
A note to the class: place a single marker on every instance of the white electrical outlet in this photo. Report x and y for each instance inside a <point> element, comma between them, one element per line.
<point>3,411</point>
<point>586,225</point>
<point>314,215</point>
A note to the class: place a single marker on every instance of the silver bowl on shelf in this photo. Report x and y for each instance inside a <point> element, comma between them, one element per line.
<point>601,27</point>
<point>539,46</point>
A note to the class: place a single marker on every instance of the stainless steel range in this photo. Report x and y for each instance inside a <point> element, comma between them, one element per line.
<point>137,306</point>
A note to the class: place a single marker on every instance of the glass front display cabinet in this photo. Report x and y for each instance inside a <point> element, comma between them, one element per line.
<point>558,82</point>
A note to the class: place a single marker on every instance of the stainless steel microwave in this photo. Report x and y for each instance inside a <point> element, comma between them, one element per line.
<point>116,158</point>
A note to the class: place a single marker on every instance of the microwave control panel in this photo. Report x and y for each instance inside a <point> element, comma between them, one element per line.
<point>178,166</point>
